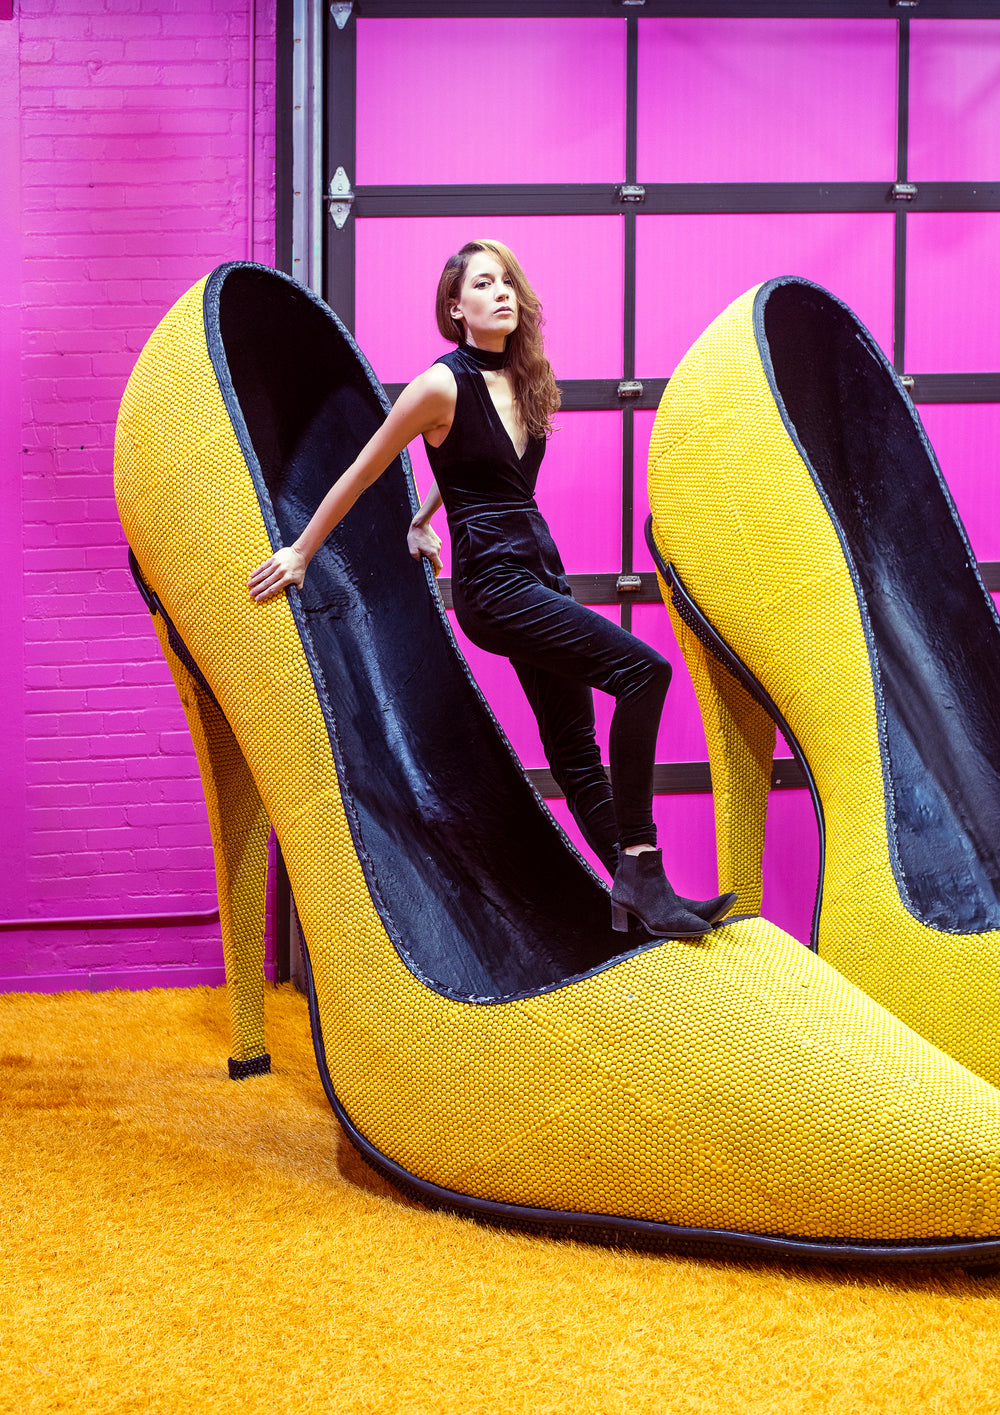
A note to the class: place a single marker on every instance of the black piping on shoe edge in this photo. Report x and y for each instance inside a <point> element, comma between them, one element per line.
<point>918,905</point>
<point>614,1230</point>
<point>217,354</point>
<point>707,634</point>
<point>183,654</point>
<point>174,639</point>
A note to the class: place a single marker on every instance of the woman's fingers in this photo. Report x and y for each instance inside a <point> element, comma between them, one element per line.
<point>421,549</point>
<point>265,580</point>
<point>261,575</point>
<point>286,567</point>
<point>425,542</point>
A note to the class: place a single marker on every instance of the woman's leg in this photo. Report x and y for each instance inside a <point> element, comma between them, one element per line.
<point>568,647</point>
<point>541,630</point>
<point>564,709</point>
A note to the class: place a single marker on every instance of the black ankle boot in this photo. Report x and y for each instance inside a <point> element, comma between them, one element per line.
<point>641,889</point>
<point>711,910</point>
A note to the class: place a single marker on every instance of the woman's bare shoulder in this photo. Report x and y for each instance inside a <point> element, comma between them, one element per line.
<point>436,379</point>
<point>433,393</point>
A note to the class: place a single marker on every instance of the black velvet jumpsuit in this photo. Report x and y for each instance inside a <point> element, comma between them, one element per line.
<point>512,598</point>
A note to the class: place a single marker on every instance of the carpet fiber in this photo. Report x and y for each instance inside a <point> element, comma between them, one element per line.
<point>171,1240</point>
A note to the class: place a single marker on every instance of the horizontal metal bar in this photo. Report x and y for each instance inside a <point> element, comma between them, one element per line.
<point>487,9</point>
<point>954,196</point>
<point>681,778</point>
<point>689,197</point>
<point>520,199</point>
<point>587,394</point>
<point>597,394</point>
<point>666,198</point>
<point>725,9</point>
<point>955,388</point>
<point>601,394</point>
<point>603,588</point>
<point>591,589</point>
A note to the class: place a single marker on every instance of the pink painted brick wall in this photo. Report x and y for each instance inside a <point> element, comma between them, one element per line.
<point>128,130</point>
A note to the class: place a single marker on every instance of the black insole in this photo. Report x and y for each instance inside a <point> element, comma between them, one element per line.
<point>476,882</point>
<point>932,632</point>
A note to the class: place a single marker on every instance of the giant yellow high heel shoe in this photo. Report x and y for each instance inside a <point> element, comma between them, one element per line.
<point>819,576</point>
<point>478,1037</point>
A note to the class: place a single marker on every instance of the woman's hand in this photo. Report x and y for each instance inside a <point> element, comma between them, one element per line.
<point>285,567</point>
<point>423,540</point>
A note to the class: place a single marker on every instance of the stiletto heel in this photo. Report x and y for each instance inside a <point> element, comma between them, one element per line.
<point>740,736</point>
<point>240,833</point>
<point>482,1036</point>
<point>798,504</point>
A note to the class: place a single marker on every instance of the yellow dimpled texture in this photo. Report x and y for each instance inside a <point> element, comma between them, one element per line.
<point>736,511</point>
<point>735,1083</point>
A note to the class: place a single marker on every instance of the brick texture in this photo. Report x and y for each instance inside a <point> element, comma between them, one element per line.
<point>134,126</point>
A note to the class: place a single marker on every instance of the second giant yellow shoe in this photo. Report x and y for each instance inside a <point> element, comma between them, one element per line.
<point>480,1039</point>
<point>819,577</point>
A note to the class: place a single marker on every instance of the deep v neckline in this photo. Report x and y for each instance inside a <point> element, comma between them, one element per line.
<point>503,426</point>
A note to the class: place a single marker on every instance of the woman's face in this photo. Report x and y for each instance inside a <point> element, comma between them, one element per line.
<point>486,303</point>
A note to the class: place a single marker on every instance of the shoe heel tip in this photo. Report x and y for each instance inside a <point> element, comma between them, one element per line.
<point>253,1066</point>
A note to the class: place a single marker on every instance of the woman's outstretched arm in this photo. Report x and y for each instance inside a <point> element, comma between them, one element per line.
<point>424,406</point>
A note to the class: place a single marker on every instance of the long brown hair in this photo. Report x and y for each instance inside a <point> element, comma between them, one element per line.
<point>532,380</point>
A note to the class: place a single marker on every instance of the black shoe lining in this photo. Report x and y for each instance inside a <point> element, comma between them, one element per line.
<point>931,627</point>
<point>477,885</point>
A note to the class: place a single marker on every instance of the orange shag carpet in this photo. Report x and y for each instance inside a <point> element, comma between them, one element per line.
<point>173,1241</point>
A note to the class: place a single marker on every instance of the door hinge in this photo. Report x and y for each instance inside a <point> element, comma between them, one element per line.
<point>340,198</point>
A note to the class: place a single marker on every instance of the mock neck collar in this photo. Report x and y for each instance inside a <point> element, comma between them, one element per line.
<point>484,358</point>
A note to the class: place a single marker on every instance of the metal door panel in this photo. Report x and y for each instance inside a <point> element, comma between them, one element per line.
<point>953,291</point>
<point>954,101</point>
<point>507,99</point>
<point>966,438</point>
<point>575,264</point>
<point>579,491</point>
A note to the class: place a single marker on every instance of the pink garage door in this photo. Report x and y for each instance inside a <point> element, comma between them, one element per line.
<point>647,168</point>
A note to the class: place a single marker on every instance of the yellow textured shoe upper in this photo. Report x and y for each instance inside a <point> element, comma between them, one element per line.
<point>736,510</point>
<point>737,1084</point>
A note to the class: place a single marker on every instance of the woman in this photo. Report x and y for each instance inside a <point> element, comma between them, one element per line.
<point>484,411</point>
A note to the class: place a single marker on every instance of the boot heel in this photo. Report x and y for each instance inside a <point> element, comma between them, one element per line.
<point>619,918</point>
<point>740,735</point>
<point>240,833</point>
